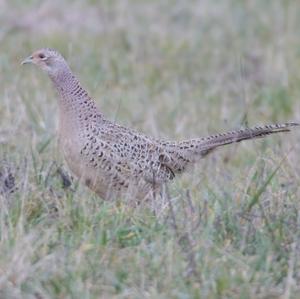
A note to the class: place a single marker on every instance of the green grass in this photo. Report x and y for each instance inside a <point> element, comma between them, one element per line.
<point>228,229</point>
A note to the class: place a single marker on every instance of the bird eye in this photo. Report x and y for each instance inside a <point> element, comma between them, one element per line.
<point>42,56</point>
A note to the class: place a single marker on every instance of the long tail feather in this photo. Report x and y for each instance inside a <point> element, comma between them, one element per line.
<point>243,134</point>
<point>190,151</point>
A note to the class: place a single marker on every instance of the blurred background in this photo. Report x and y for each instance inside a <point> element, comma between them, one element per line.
<point>197,66</point>
<point>171,69</point>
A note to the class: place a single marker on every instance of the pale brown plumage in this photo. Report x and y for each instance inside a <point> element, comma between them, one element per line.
<point>114,160</point>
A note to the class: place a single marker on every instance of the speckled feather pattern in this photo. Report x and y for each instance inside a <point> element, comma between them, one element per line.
<point>116,161</point>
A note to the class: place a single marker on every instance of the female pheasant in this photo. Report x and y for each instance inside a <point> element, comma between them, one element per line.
<point>114,160</point>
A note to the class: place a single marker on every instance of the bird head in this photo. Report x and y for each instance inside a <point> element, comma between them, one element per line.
<point>47,59</point>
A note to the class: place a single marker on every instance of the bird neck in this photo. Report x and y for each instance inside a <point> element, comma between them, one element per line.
<point>68,87</point>
<point>74,103</point>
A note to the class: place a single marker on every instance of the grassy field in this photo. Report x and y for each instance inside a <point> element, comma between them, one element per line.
<point>176,69</point>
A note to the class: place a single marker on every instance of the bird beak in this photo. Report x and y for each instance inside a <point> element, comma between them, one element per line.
<point>27,60</point>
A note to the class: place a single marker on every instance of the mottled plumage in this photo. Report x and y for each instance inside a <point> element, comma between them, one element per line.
<point>114,160</point>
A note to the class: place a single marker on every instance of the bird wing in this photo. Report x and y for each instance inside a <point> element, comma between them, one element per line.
<point>133,155</point>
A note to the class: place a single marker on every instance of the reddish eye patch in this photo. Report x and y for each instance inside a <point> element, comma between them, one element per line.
<point>42,56</point>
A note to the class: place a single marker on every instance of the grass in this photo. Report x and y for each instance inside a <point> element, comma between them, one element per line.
<point>230,228</point>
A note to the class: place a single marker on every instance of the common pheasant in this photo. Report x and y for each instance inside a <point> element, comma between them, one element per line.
<point>114,160</point>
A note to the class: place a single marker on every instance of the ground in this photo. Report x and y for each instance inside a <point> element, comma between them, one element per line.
<point>172,69</point>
